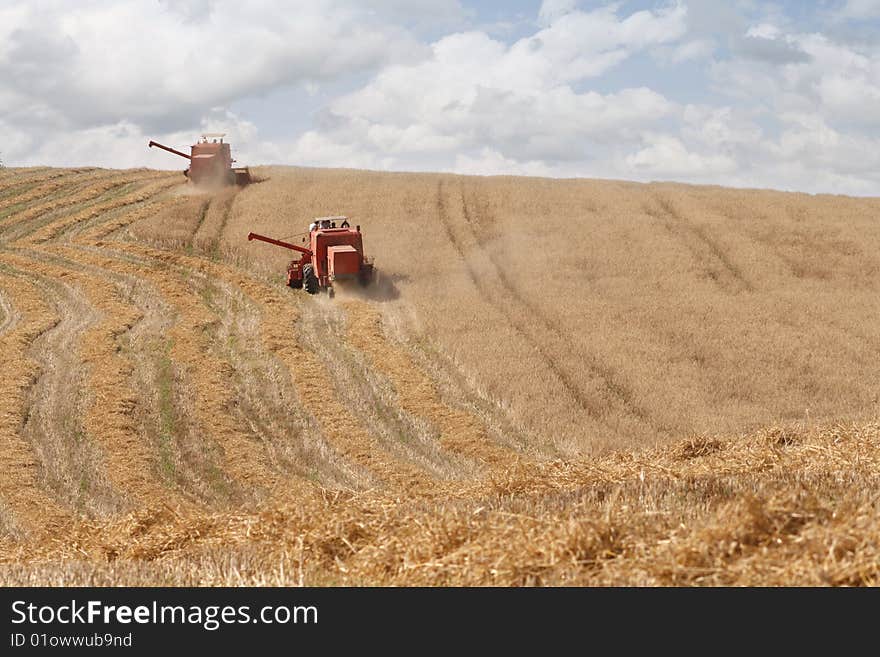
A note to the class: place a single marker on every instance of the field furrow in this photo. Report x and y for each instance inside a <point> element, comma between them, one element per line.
<point>131,461</point>
<point>8,314</point>
<point>370,396</point>
<point>611,382</point>
<point>709,254</point>
<point>314,386</point>
<point>184,459</point>
<point>12,177</point>
<point>750,511</point>
<point>266,391</point>
<point>73,463</point>
<point>58,182</point>
<point>27,505</point>
<point>104,402</point>
<point>460,432</point>
<point>339,425</point>
<point>58,226</point>
<point>261,438</point>
<point>207,235</point>
<point>602,396</point>
<point>266,396</point>
<point>244,457</point>
<point>104,229</point>
<point>19,220</point>
<point>18,182</point>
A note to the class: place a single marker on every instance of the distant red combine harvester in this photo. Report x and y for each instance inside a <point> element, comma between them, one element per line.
<point>210,162</point>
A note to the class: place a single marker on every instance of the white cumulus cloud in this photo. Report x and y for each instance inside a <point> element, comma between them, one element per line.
<point>477,99</point>
<point>737,93</point>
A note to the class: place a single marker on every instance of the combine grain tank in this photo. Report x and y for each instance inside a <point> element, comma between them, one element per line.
<point>210,162</point>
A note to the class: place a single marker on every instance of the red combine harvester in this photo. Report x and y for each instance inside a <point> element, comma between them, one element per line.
<point>335,253</point>
<point>211,162</point>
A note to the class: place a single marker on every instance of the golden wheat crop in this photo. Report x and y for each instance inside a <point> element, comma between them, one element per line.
<point>551,382</point>
<point>607,314</point>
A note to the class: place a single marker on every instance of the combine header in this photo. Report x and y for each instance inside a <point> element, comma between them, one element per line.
<point>335,253</point>
<point>211,162</point>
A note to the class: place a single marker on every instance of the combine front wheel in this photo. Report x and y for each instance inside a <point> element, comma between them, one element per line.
<point>310,281</point>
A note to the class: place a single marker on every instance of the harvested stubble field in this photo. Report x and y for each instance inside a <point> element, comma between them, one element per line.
<point>552,382</point>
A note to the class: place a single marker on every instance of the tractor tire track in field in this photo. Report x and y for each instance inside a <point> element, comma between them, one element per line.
<point>809,314</point>
<point>610,379</point>
<point>705,249</point>
<point>124,469</point>
<point>290,451</point>
<point>14,180</point>
<point>567,382</point>
<point>362,388</point>
<point>50,187</point>
<point>15,188</point>
<point>27,506</point>
<point>144,191</point>
<point>504,291</point>
<point>243,456</point>
<point>265,394</point>
<point>8,313</point>
<point>460,432</point>
<point>368,461</point>
<point>54,425</point>
<point>184,456</point>
<point>203,212</point>
<point>16,224</point>
<point>209,232</point>
<point>458,391</point>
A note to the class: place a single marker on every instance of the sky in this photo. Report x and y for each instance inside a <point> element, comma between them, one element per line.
<point>782,95</point>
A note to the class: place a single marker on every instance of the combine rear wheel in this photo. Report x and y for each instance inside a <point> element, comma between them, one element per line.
<point>310,281</point>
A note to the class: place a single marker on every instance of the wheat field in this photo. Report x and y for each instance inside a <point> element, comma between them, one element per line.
<point>551,382</point>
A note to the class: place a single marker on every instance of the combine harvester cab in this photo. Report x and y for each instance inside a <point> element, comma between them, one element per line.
<point>210,162</point>
<point>335,253</point>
